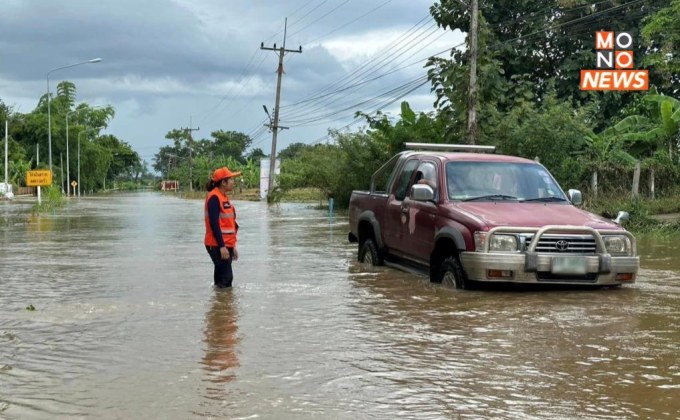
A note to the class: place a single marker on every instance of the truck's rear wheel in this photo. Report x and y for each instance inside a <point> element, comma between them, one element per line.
<point>451,273</point>
<point>368,253</point>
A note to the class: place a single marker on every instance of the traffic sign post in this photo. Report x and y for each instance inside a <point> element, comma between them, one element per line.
<point>39,178</point>
<point>74,184</point>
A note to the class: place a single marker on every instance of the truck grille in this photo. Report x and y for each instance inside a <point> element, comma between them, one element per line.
<point>564,244</point>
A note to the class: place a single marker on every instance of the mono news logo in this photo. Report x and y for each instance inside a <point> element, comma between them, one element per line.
<point>614,62</point>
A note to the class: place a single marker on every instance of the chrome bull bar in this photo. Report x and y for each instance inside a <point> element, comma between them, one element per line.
<point>531,256</point>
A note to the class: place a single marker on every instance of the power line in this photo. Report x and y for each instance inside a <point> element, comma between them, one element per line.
<point>360,73</point>
<point>603,12</point>
<point>308,13</point>
<point>414,86</point>
<point>357,70</point>
<point>350,22</point>
<point>320,18</point>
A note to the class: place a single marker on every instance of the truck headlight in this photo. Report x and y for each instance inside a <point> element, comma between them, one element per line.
<point>506,243</point>
<point>498,242</point>
<point>617,244</point>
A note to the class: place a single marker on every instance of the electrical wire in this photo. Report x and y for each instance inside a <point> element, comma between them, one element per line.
<point>320,18</point>
<point>407,88</point>
<point>552,27</point>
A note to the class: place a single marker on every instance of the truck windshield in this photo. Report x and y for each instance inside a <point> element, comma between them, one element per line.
<point>506,181</point>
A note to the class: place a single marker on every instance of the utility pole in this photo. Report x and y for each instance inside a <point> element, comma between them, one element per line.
<point>191,148</point>
<point>61,164</point>
<point>6,150</point>
<point>274,124</point>
<point>472,127</point>
<point>37,162</point>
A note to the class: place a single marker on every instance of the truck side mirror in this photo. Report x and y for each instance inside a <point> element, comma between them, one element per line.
<point>575,197</point>
<point>623,216</point>
<point>422,192</point>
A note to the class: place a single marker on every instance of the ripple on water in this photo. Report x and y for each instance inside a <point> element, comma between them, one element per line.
<point>127,325</point>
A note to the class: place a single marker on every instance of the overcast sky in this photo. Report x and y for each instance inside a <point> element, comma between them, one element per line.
<point>166,61</point>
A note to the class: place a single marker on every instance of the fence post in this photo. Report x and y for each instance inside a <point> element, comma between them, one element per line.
<point>636,180</point>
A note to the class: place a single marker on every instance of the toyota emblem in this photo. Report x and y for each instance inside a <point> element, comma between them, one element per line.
<point>562,245</point>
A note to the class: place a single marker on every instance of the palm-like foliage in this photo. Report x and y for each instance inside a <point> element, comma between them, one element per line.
<point>604,149</point>
<point>650,135</point>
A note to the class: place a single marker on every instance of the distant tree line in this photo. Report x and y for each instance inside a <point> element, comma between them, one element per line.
<point>104,158</point>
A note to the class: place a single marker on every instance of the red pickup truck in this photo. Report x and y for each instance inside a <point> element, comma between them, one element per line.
<point>464,215</point>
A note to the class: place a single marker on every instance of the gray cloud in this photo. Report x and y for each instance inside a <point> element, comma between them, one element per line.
<point>164,60</point>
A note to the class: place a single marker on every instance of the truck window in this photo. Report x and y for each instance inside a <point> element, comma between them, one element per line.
<point>467,180</point>
<point>383,179</point>
<point>427,174</point>
<point>404,178</point>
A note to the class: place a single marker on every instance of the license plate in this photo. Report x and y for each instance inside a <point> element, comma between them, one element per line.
<point>569,265</point>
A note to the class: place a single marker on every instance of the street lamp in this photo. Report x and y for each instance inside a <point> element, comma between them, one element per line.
<point>49,117</point>
<point>84,131</point>
<point>68,172</point>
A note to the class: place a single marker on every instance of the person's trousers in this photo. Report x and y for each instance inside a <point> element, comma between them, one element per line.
<point>223,273</point>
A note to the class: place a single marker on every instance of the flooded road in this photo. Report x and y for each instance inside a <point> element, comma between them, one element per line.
<point>126,325</point>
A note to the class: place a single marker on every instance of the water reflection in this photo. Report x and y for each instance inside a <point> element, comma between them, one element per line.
<point>221,340</point>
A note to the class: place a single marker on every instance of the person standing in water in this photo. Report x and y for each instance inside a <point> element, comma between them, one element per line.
<point>220,225</point>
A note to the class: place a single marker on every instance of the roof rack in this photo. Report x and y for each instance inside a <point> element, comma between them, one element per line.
<point>450,147</point>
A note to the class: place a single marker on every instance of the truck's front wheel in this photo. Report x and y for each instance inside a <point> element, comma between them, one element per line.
<point>451,273</point>
<point>368,253</point>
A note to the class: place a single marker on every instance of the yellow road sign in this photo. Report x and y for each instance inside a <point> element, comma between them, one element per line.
<point>40,178</point>
<point>73,184</point>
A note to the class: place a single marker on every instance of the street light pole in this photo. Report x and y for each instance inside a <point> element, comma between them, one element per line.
<point>49,117</point>
<point>68,172</point>
<point>84,131</point>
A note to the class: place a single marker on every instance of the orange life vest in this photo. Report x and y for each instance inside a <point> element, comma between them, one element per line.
<point>228,224</point>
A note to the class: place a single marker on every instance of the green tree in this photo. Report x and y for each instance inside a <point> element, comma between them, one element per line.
<point>662,36</point>
<point>554,132</point>
<point>657,132</point>
<point>604,150</point>
<point>125,162</point>
<point>293,150</point>
<point>530,48</point>
<point>410,127</point>
<point>655,139</point>
<point>230,143</point>
<point>255,155</point>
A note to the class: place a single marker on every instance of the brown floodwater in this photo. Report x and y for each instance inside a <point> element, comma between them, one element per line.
<point>127,325</point>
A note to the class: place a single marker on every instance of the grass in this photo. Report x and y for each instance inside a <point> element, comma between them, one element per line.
<point>642,212</point>
<point>51,199</point>
<point>298,195</point>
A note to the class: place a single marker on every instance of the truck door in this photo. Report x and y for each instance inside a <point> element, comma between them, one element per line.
<point>396,213</point>
<point>418,231</point>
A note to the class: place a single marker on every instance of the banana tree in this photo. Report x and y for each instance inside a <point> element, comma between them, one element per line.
<point>604,149</point>
<point>17,171</point>
<point>656,137</point>
<point>251,173</point>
